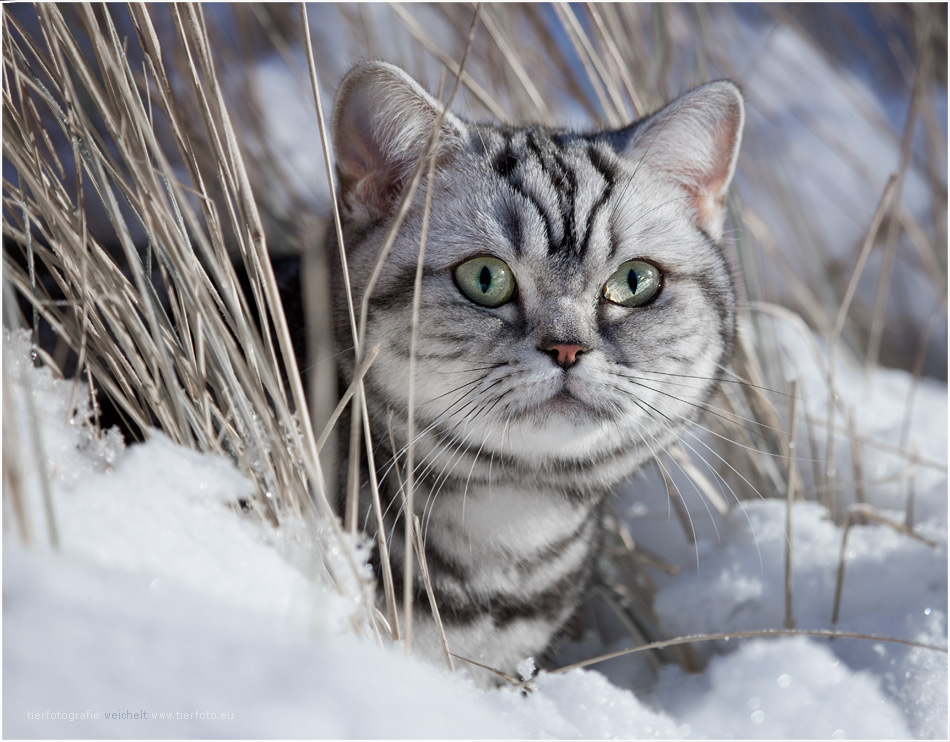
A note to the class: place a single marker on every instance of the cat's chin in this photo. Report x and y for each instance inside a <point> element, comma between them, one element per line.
<point>561,425</point>
<point>557,434</point>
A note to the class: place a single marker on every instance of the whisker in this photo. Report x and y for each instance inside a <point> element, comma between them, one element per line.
<point>717,380</point>
<point>455,407</point>
<point>716,411</point>
<point>447,470</point>
<point>719,476</point>
<point>452,409</point>
<point>706,407</point>
<point>668,480</point>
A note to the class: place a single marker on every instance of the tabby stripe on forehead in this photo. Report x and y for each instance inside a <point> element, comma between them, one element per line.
<point>564,183</point>
<point>505,166</point>
<point>568,202</point>
<point>608,172</point>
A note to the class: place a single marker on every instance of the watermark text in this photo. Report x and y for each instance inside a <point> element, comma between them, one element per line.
<point>127,715</point>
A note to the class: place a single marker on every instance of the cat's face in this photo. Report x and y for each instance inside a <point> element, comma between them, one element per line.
<point>574,299</point>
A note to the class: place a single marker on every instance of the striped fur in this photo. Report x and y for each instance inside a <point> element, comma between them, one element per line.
<point>515,454</point>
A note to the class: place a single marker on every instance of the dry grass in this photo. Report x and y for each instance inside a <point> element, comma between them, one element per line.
<point>147,185</point>
<point>210,365</point>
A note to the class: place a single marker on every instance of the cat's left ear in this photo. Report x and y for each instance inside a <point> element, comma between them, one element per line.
<point>695,141</point>
<point>382,124</point>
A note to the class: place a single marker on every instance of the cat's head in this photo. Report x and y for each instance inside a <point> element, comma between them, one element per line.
<point>574,300</point>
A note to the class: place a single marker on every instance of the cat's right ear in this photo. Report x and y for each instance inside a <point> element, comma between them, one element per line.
<point>694,141</point>
<point>382,124</point>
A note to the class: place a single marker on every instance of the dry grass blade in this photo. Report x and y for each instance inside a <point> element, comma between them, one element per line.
<point>495,671</point>
<point>423,38</point>
<point>252,223</point>
<point>347,396</point>
<point>709,490</point>
<point>610,99</point>
<point>420,551</point>
<point>757,634</point>
<point>858,515</point>
<point>675,498</point>
<point>909,507</point>
<point>939,306</point>
<point>620,67</point>
<point>408,575</point>
<point>36,442</point>
<point>407,197</point>
<point>879,445</point>
<point>921,74</point>
<point>886,198</point>
<point>496,29</point>
<point>350,508</point>
<point>789,505</point>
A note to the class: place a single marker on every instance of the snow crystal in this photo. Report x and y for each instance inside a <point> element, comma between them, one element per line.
<point>526,668</point>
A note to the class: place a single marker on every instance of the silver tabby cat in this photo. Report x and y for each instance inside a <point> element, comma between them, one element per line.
<point>576,313</point>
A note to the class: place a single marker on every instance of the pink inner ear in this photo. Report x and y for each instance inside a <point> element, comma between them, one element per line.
<point>707,182</point>
<point>709,193</point>
<point>375,191</point>
<point>710,214</point>
<point>726,140</point>
<point>361,163</point>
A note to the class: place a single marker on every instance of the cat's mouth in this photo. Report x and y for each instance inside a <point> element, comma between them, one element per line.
<point>563,402</point>
<point>577,401</point>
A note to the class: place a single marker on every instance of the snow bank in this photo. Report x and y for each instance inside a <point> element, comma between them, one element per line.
<point>894,585</point>
<point>168,613</point>
<point>80,638</point>
<point>790,688</point>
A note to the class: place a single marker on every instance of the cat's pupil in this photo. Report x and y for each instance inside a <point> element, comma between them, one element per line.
<point>484,278</point>
<point>632,281</point>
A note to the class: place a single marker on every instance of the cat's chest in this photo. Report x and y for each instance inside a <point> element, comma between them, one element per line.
<point>515,518</point>
<point>520,538</point>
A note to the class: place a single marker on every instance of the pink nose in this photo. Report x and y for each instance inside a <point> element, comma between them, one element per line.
<point>564,355</point>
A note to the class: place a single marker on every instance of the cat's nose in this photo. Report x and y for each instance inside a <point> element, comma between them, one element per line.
<point>564,355</point>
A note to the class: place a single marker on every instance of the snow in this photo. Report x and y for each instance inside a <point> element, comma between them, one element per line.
<point>894,585</point>
<point>877,598</point>
<point>81,637</point>
<point>790,675</point>
<point>164,598</point>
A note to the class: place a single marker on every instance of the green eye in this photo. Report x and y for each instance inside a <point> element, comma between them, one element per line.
<point>633,284</point>
<point>486,281</point>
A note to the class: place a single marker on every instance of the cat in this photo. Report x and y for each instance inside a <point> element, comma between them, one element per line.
<point>577,310</point>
